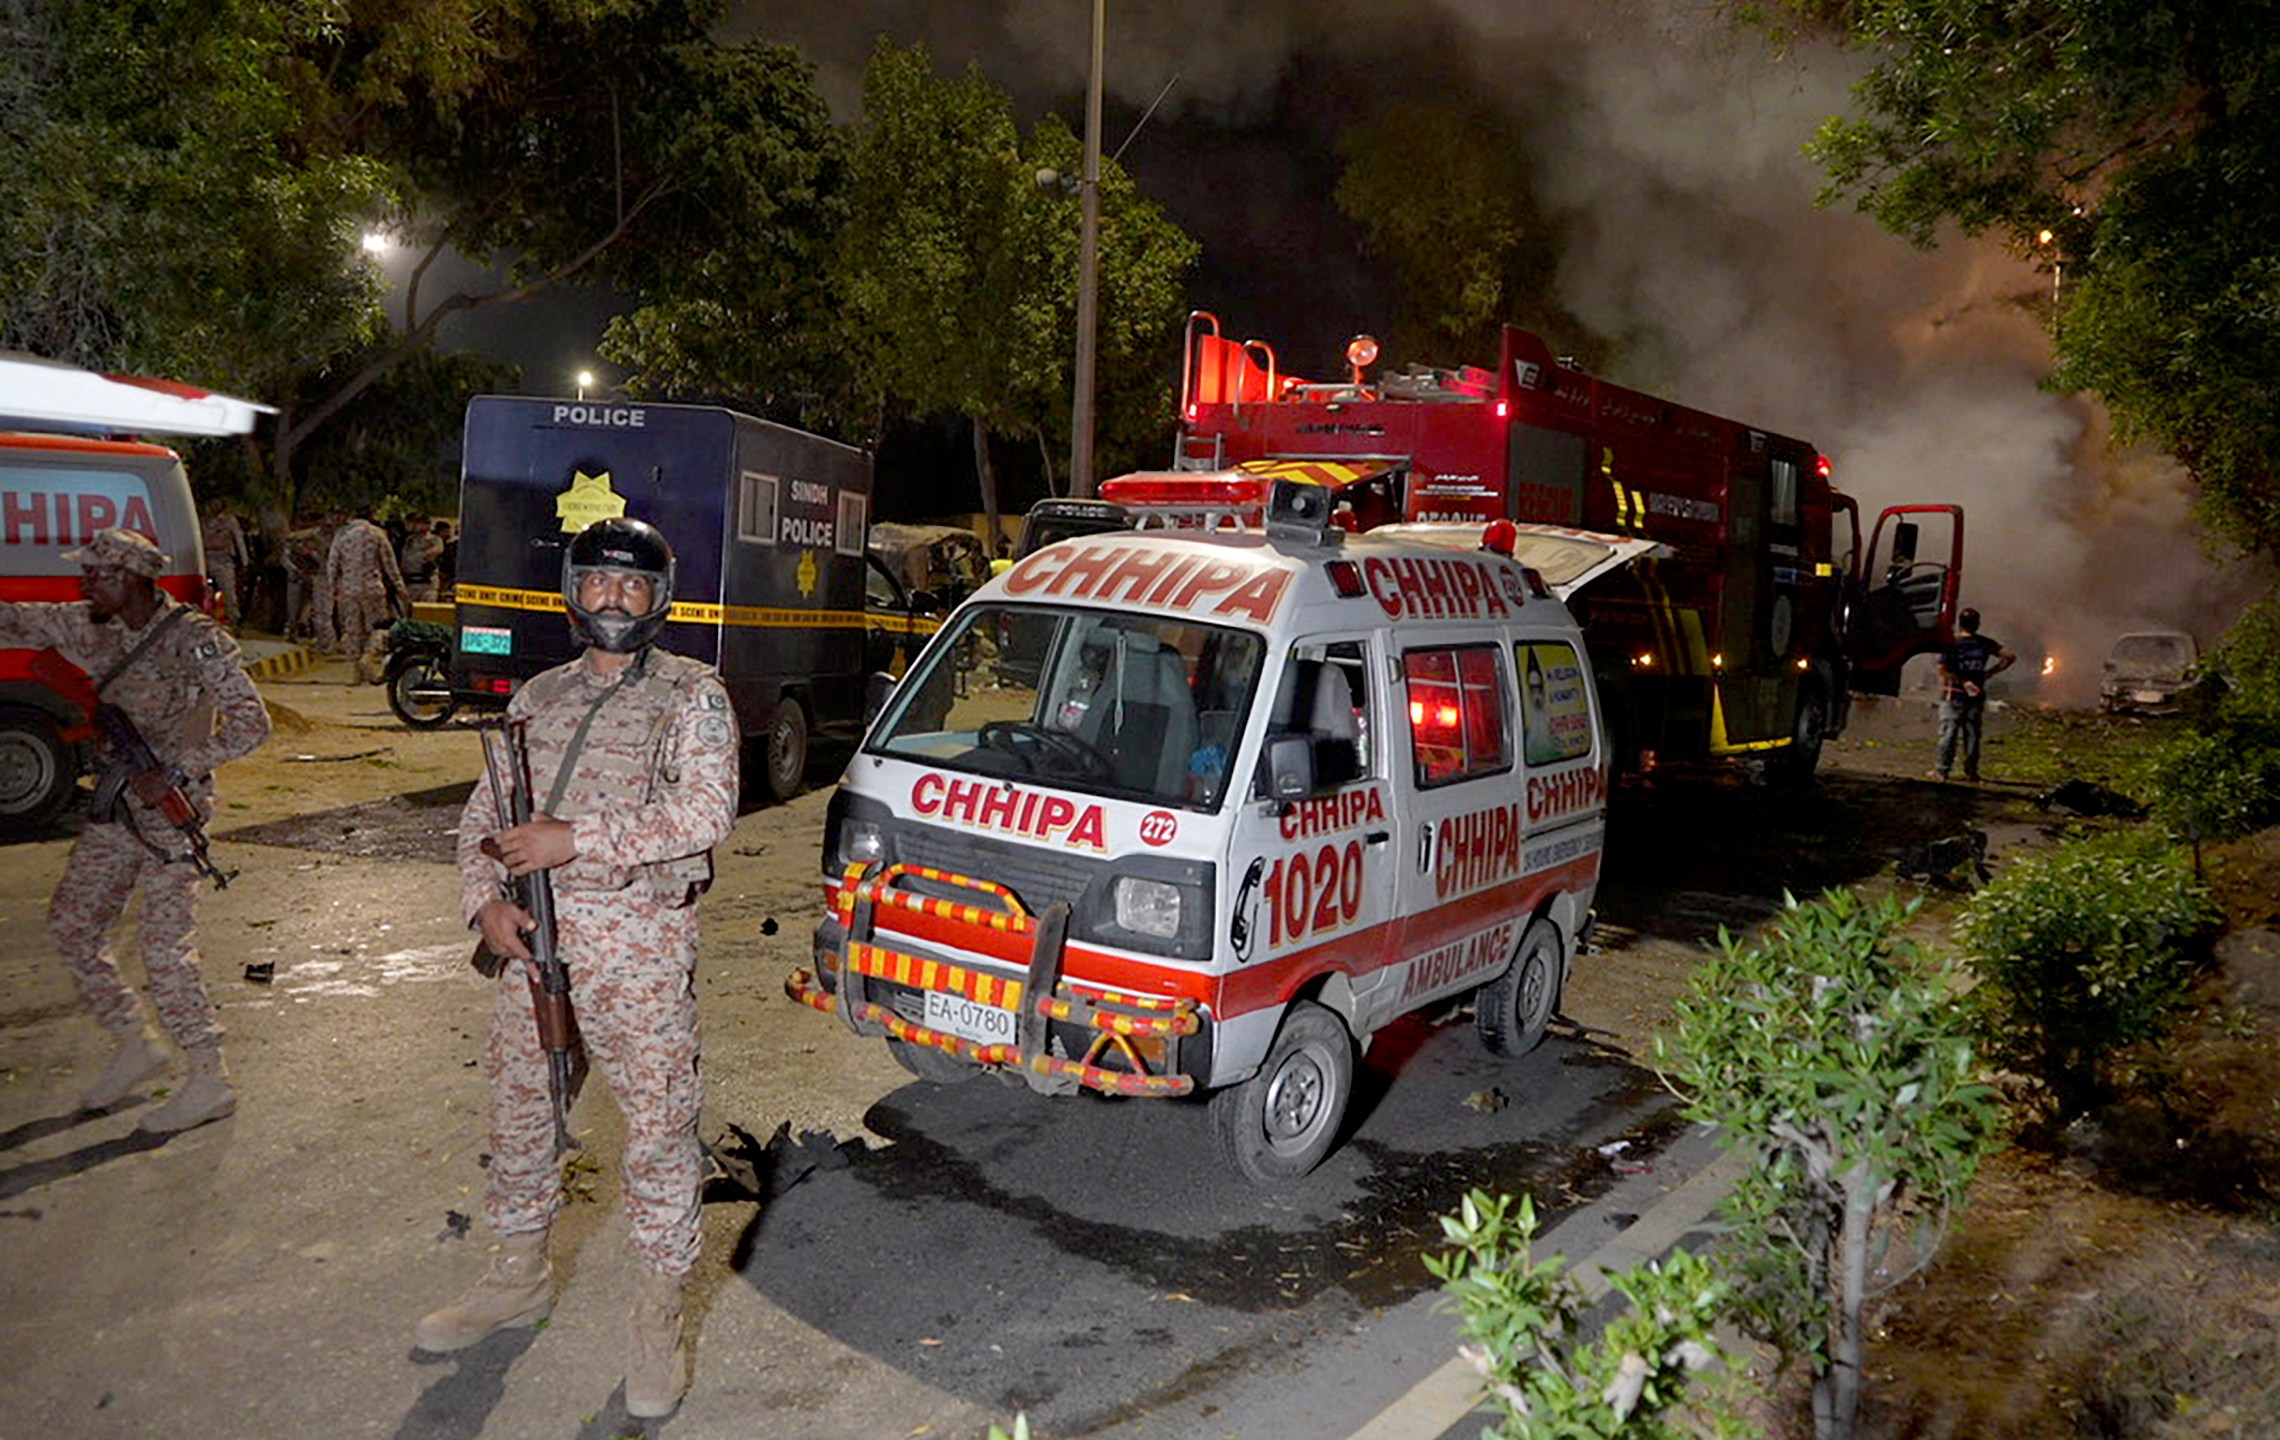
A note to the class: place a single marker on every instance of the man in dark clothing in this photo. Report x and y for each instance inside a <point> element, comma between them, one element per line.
<point>1965,669</point>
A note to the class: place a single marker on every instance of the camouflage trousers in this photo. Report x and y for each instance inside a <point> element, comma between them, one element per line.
<point>356,615</point>
<point>633,984</point>
<point>107,865</point>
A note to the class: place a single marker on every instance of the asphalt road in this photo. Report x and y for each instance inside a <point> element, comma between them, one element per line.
<point>927,1261</point>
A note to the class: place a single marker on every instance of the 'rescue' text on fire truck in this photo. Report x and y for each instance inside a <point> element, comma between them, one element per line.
<point>1744,625</point>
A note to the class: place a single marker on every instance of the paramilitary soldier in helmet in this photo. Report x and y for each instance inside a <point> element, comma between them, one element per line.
<point>633,765</point>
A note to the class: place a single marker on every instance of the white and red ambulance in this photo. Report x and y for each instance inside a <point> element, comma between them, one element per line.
<point>1237,801</point>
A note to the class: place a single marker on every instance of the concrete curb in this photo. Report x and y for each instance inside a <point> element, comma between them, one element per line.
<point>281,663</point>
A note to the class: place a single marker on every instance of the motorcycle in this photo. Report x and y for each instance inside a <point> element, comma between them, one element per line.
<point>418,674</point>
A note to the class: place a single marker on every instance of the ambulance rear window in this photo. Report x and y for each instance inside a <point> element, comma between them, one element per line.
<point>1457,713</point>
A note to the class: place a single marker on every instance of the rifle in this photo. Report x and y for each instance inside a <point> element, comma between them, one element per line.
<point>123,745</point>
<point>549,977</point>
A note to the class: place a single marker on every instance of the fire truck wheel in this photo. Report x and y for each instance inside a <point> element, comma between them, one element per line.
<point>1795,763</point>
<point>1516,1007</point>
<point>786,758</point>
<point>931,1065</point>
<point>1283,1121</point>
<point>37,777</point>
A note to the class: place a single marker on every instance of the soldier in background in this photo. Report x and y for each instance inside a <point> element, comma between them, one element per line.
<point>365,583</point>
<point>228,561</point>
<point>178,676</point>
<point>633,765</point>
<point>421,551</point>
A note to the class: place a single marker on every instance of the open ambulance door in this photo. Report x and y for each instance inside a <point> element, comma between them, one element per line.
<point>1903,593</point>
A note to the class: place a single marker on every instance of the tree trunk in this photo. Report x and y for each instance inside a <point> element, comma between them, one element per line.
<point>987,473</point>
<point>1045,453</point>
<point>1842,1413</point>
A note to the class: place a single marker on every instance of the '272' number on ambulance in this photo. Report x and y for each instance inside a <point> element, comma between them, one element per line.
<point>1314,894</point>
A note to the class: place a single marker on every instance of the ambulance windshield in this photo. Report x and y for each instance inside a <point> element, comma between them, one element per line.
<point>1130,706</point>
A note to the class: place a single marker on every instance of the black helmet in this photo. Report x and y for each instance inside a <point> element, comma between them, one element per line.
<point>618,543</point>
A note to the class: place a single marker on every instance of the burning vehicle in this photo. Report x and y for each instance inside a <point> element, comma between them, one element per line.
<point>2146,671</point>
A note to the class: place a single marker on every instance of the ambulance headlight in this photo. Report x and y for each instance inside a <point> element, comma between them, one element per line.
<point>1155,904</point>
<point>856,831</point>
<point>1148,907</point>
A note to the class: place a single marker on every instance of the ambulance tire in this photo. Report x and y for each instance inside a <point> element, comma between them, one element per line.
<point>1285,1120</point>
<point>38,776</point>
<point>934,1066</point>
<point>1514,1010</point>
<point>784,751</point>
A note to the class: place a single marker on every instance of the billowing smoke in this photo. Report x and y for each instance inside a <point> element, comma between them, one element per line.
<point>1669,147</point>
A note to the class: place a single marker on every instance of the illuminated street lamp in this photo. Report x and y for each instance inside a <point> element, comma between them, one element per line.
<point>375,243</point>
<point>585,382</point>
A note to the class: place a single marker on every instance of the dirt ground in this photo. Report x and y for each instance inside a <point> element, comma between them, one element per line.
<point>2127,1284</point>
<point>2122,1279</point>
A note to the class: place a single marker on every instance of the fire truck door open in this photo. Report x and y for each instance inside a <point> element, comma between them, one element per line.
<point>1907,593</point>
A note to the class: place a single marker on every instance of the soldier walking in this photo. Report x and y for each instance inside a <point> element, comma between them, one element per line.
<point>633,765</point>
<point>178,676</point>
<point>364,581</point>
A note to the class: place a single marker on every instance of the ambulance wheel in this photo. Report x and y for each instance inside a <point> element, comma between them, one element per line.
<point>1283,1121</point>
<point>1516,1008</point>
<point>784,763</point>
<point>37,776</point>
<point>934,1066</point>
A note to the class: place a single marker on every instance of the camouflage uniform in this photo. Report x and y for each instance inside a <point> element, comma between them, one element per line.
<point>227,561</point>
<point>189,697</point>
<point>653,788</point>
<point>422,550</point>
<point>364,583</point>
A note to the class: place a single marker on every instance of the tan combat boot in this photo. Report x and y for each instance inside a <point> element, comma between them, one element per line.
<point>205,1096</point>
<point>657,1364</point>
<point>518,1289</point>
<point>141,1055</point>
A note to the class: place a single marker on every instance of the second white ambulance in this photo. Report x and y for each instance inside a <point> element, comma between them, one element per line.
<point>1238,801</point>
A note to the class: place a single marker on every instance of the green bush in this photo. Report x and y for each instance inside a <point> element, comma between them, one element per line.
<point>1650,1374</point>
<point>2222,780</point>
<point>2080,952</point>
<point>1831,1051</point>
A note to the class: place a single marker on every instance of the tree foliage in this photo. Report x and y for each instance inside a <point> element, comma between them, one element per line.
<point>1444,194</point>
<point>2133,149</point>
<point>1831,1051</point>
<point>184,183</point>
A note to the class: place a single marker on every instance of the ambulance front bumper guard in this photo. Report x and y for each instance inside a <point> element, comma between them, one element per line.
<point>1041,995</point>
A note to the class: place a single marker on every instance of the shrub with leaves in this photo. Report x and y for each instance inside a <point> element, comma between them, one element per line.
<point>1650,1374</point>
<point>2223,779</point>
<point>2081,952</point>
<point>1830,1051</point>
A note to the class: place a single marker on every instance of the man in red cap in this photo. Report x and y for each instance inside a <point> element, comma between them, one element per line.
<point>178,676</point>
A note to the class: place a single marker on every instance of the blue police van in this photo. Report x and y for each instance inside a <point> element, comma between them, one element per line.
<point>767,525</point>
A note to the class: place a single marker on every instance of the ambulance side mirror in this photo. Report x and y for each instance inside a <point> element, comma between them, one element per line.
<point>1290,767</point>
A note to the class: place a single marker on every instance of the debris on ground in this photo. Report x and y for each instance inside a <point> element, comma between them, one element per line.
<point>1487,1102</point>
<point>1952,862</point>
<point>455,1226</point>
<point>2091,801</point>
<point>739,1167</point>
<point>261,972</point>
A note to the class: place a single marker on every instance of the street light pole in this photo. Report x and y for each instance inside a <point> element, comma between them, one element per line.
<point>1088,273</point>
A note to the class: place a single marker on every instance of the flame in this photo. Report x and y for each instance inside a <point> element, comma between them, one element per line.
<point>2050,666</point>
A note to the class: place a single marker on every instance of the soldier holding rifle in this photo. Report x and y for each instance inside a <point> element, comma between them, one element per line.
<point>180,707</point>
<point>631,758</point>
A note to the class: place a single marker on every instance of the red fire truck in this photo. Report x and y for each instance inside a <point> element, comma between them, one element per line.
<point>1739,635</point>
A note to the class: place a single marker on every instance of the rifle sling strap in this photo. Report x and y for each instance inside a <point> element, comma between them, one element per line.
<point>578,740</point>
<point>171,614</point>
